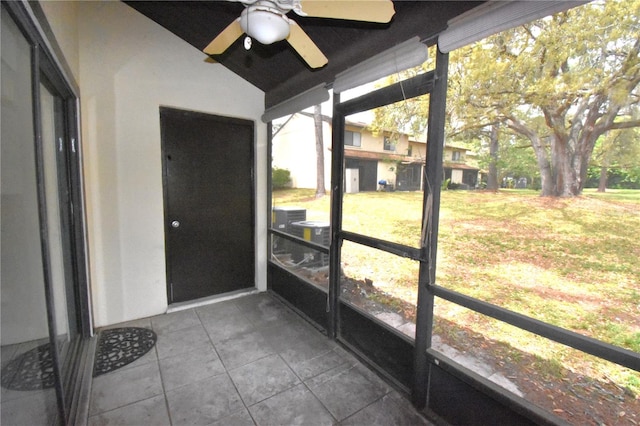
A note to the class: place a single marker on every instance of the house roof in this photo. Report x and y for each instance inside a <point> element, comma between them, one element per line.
<point>461,166</point>
<point>369,155</point>
<point>277,69</point>
<point>461,148</point>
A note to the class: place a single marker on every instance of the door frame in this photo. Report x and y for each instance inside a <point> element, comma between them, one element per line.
<point>395,356</point>
<point>165,196</point>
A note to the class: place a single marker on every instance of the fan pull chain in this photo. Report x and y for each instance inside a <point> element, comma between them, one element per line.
<point>247,39</point>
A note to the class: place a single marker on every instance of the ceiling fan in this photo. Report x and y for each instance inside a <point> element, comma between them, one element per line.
<point>266,21</point>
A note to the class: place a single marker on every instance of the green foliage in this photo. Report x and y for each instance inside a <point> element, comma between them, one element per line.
<point>408,116</point>
<point>557,83</point>
<point>453,186</point>
<point>618,152</point>
<point>627,178</point>
<point>445,184</point>
<point>280,178</point>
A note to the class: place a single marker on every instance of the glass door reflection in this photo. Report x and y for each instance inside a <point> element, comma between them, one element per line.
<point>28,379</point>
<point>58,226</point>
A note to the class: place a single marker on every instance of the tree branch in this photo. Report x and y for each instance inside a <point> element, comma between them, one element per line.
<point>625,125</point>
<point>283,124</point>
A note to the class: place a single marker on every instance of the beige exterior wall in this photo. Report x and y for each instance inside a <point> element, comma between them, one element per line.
<point>367,141</point>
<point>448,154</point>
<point>387,171</point>
<point>128,67</point>
<point>418,150</point>
<point>402,145</point>
<point>375,142</point>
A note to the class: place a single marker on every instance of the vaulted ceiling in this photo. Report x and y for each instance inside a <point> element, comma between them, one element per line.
<point>277,69</point>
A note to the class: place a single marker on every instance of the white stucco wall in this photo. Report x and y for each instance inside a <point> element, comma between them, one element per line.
<point>62,17</point>
<point>387,171</point>
<point>294,149</point>
<point>128,67</point>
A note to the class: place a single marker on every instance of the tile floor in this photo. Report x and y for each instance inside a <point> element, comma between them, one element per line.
<point>245,361</point>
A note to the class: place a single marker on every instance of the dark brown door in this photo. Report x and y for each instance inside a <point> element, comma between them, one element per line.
<point>209,213</point>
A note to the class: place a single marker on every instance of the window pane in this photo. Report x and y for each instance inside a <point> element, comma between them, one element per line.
<point>556,238</point>
<point>383,197</point>
<point>543,241</point>
<point>389,144</point>
<point>301,176</point>
<point>305,262</point>
<point>567,383</point>
<point>352,138</point>
<point>382,284</point>
<point>569,262</point>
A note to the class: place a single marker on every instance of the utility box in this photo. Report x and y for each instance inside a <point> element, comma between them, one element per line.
<point>281,219</point>
<point>317,232</point>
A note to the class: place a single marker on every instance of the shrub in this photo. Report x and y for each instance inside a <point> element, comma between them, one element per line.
<point>280,178</point>
<point>445,184</point>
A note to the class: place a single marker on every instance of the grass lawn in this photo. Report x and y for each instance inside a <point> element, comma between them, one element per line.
<point>573,262</point>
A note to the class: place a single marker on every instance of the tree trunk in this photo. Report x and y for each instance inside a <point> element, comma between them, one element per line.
<point>567,166</point>
<point>604,169</point>
<point>317,119</point>
<point>602,185</point>
<point>547,178</point>
<point>492,179</point>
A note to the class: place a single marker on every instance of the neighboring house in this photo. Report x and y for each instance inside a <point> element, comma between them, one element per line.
<point>370,158</point>
<point>375,157</point>
<point>461,167</point>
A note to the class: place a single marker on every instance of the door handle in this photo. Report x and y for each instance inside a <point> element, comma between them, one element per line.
<point>175,224</point>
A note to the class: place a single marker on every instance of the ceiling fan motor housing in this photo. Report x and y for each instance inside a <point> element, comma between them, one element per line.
<point>264,23</point>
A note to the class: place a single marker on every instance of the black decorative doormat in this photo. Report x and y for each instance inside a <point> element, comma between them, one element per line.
<point>32,370</point>
<point>118,347</point>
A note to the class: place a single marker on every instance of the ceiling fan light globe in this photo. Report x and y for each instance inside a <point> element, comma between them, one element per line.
<point>265,26</point>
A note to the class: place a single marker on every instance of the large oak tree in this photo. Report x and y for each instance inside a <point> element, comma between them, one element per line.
<point>561,82</point>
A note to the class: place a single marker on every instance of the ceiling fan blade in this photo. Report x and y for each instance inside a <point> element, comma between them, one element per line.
<point>355,10</point>
<point>224,39</point>
<point>305,47</point>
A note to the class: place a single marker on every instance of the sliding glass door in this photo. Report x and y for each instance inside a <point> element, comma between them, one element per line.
<point>28,376</point>
<point>45,313</point>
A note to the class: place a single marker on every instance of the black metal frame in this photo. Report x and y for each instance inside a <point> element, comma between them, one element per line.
<point>431,182</point>
<point>615,354</point>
